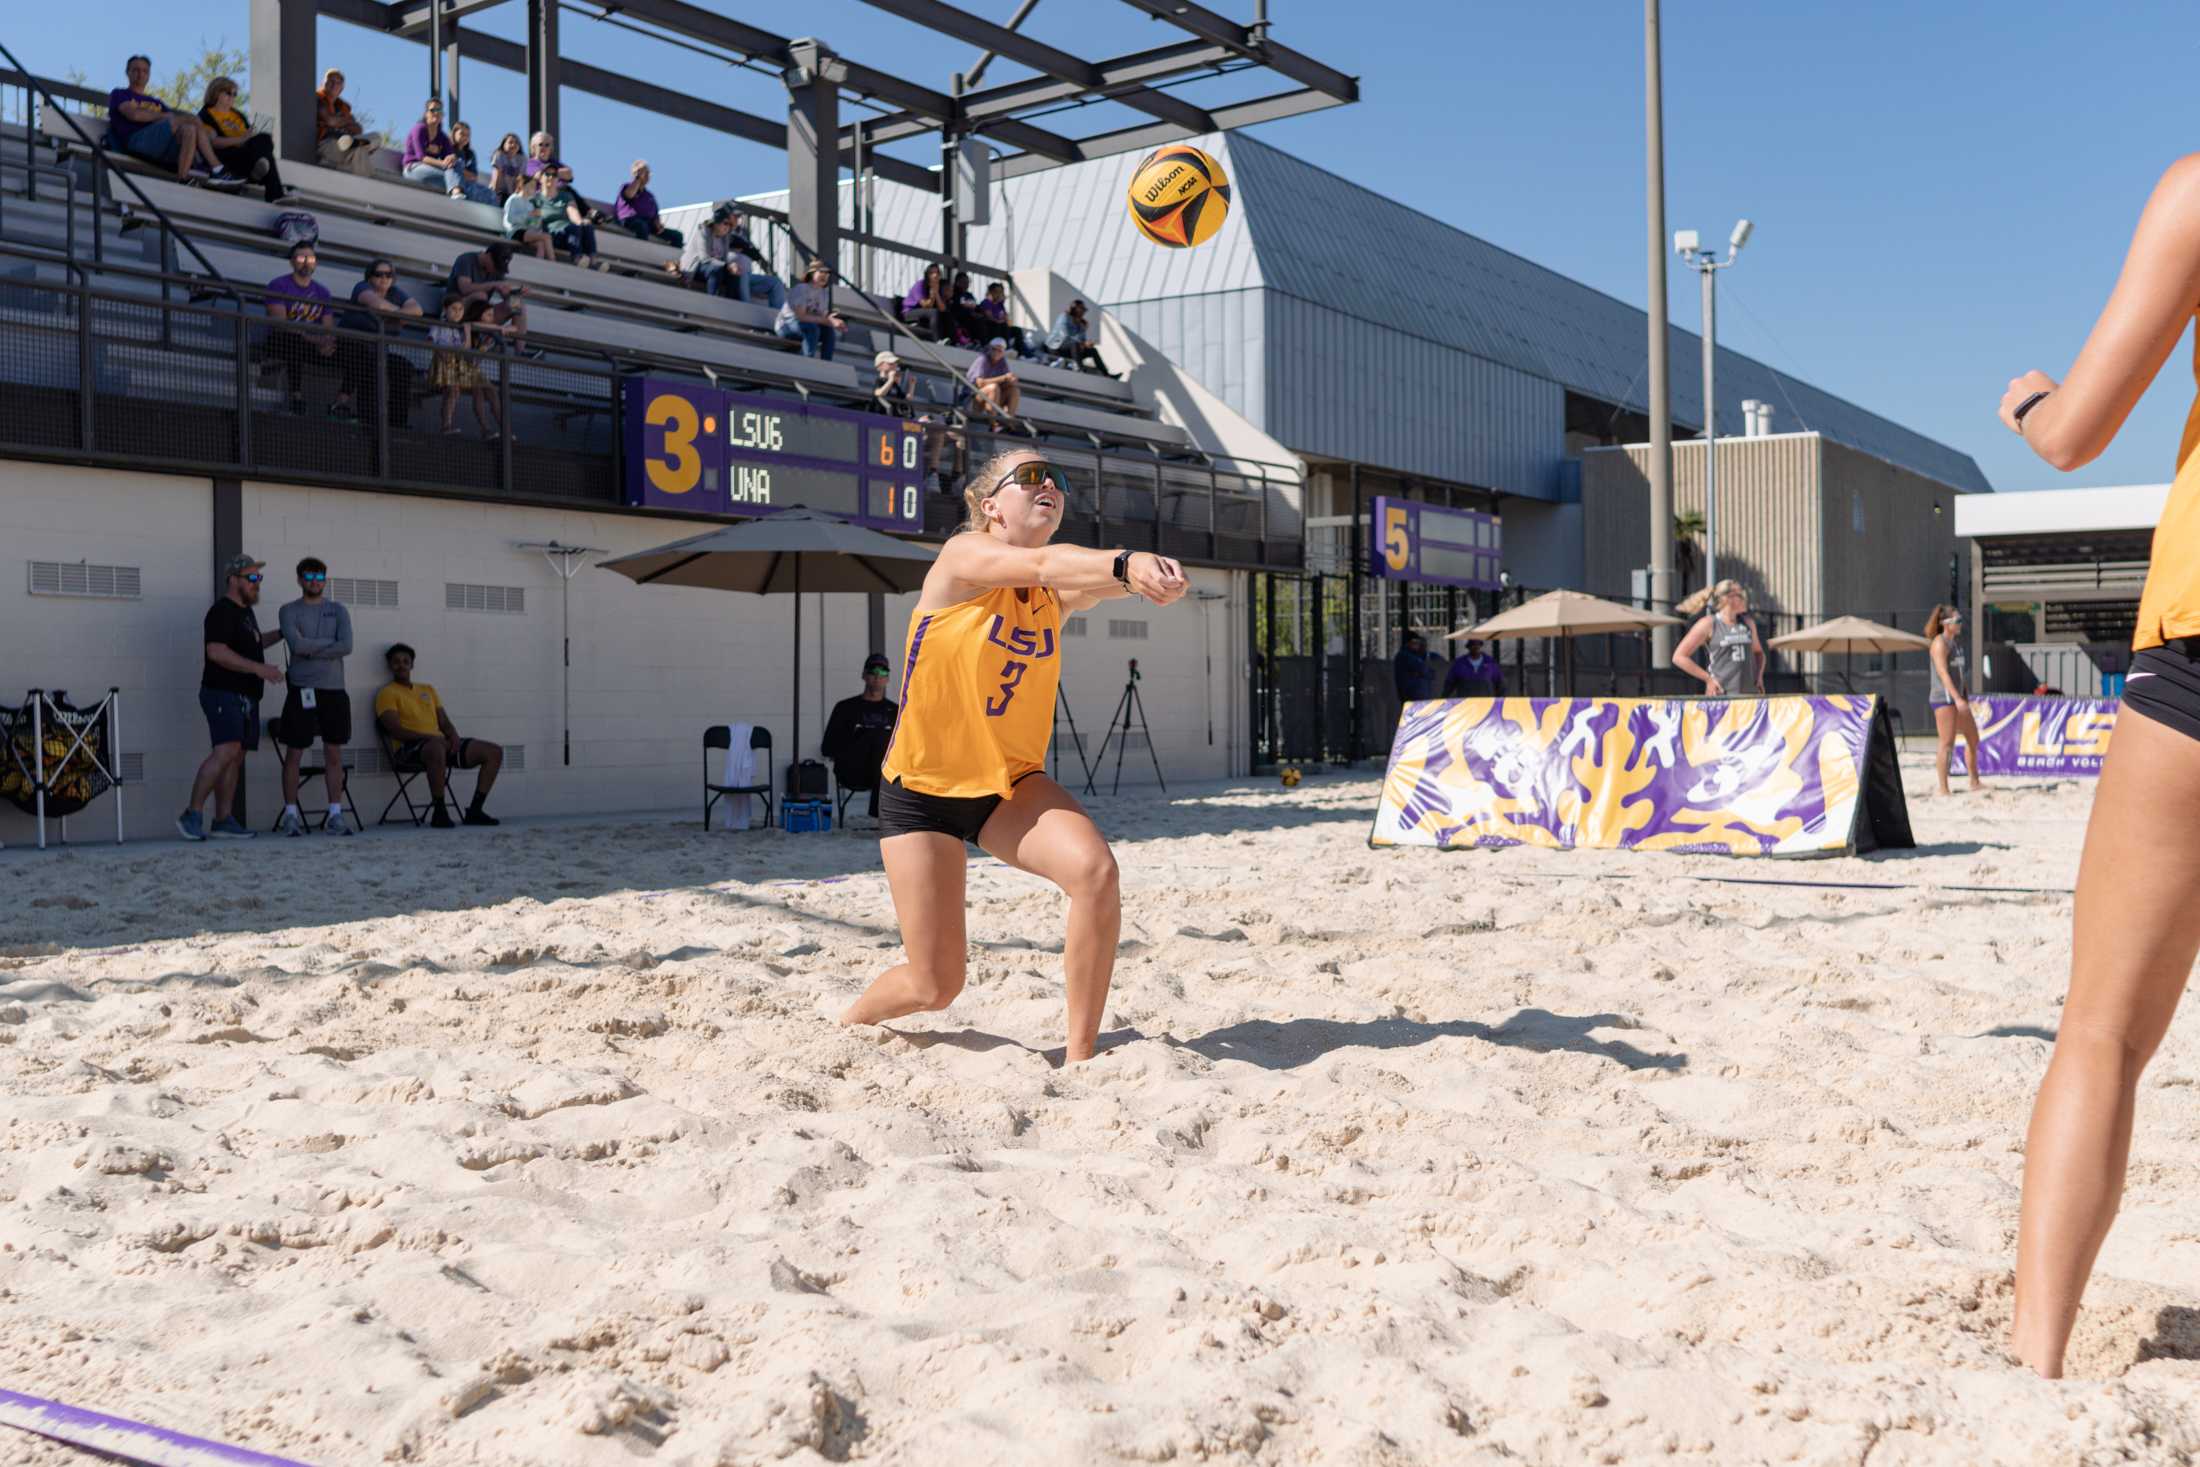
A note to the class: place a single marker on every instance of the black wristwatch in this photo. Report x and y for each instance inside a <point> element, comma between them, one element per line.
<point>2026,406</point>
<point>1123,568</point>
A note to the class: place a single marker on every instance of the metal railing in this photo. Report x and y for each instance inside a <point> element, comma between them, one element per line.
<point>92,373</point>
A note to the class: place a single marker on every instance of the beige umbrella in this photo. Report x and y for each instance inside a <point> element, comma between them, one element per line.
<point>1850,635</point>
<point>1567,614</point>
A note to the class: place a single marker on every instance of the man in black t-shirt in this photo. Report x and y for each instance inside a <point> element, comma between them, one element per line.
<point>230,683</point>
<point>861,727</point>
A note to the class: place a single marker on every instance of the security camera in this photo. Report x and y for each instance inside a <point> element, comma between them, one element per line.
<point>1740,236</point>
<point>1684,242</point>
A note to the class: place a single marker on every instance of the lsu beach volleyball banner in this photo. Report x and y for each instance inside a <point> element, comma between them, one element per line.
<point>2050,736</point>
<point>1783,776</point>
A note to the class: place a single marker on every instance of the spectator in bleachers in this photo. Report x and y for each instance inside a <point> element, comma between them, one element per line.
<point>145,127</point>
<point>245,153</point>
<point>379,305</point>
<point>455,371</point>
<point>971,325</point>
<point>297,298</point>
<point>757,284</point>
<point>993,318</point>
<point>1069,341</point>
<point>993,380</point>
<point>565,215</point>
<point>507,166</point>
<point>431,158</point>
<point>413,718</point>
<point>484,274</point>
<point>924,308</point>
<point>707,260</point>
<point>523,221</point>
<point>808,316</point>
<point>635,209</point>
<point>542,157</point>
<point>340,141</point>
<point>893,393</point>
<point>469,165</point>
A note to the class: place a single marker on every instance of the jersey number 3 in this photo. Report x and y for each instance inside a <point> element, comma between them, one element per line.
<point>1012,673</point>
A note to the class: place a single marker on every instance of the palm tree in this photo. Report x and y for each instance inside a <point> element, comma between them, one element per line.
<point>1687,525</point>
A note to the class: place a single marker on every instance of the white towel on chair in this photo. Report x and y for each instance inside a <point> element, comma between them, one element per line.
<point>737,768</point>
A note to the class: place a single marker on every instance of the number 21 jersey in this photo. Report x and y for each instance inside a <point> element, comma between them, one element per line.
<point>977,694</point>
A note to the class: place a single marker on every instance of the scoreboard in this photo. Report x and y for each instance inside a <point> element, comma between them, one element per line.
<point>1411,541</point>
<point>701,450</point>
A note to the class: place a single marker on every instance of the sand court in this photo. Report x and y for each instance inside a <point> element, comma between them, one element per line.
<point>537,1145</point>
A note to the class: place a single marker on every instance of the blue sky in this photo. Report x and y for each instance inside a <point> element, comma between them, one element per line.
<point>1943,193</point>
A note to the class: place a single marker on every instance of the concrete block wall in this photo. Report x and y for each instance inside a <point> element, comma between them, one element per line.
<point>651,666</point>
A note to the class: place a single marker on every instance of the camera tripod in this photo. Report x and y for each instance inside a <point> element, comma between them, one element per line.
<point>1130,706</point>
<point>1062,715</point>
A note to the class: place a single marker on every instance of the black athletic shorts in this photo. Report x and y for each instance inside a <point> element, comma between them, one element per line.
<point>328,721</point>
<point>910,812</point>
<point>2164,685</point>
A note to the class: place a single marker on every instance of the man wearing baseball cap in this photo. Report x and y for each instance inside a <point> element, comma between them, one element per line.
<point>230,684</point>
<point>861,727</point>
<point>993,381</point>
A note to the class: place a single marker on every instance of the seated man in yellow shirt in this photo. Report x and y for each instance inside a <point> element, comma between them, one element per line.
<point>411,716</point>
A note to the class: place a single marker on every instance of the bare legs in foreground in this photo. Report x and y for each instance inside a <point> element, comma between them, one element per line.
<point>1041,830</point>
<point>2137,932</point>
<point>1951,722</point>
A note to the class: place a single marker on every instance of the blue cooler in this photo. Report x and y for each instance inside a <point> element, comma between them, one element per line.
<point>801,817</point>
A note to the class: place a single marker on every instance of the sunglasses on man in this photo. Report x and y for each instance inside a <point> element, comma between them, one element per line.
<point>314,576</point>
<point>253,577</point>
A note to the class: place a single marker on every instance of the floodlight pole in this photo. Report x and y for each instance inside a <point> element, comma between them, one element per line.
<point>1707,264</point>
<point>1661,399</point>
<point>566,561</point>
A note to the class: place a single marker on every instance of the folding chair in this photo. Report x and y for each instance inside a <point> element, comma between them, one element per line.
<point>405,767</point>
<point>720,736</point>
<point>310,769</point>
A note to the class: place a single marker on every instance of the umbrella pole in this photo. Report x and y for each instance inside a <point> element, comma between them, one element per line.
<point>794,750</point>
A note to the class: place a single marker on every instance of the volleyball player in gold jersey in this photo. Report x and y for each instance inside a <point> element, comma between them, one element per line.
<point>968,757</point>
<point>2137,926</point>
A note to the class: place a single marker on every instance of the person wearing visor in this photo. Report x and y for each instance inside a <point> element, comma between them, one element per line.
<point>1950,695</point>
<point>861,727</point>
<point>967,763</point>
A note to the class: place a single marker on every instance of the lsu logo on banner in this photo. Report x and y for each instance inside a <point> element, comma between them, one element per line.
<point>2046,736</point>
<point>1739,776</point>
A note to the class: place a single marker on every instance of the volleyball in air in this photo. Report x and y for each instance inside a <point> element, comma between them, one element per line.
<point>1290,776</point>
<point>1179,197</point>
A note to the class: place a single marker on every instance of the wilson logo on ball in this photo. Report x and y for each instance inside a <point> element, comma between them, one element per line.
<point>1179,197</point>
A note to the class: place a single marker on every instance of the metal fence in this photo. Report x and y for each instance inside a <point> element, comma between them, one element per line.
<point>156,378</point>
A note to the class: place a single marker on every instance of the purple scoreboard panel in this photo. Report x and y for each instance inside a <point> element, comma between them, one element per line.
<point>1411,541</point>
<point>700,450</point>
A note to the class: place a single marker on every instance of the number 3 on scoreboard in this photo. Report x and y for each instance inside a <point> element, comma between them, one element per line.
<point>677,467</point>
<point>1396,547</point>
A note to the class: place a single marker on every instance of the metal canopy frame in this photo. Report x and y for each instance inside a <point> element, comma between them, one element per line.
<point>815,75</point>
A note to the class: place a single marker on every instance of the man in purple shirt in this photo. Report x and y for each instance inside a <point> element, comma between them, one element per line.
<point>301,303</point>
<point>145,127</point>
<point>993,380</point>
<point>635,209</point>
<point>1474,675</point>
<point>431,158</point>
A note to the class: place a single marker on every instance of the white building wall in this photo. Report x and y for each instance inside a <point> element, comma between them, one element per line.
<point>652,666</point>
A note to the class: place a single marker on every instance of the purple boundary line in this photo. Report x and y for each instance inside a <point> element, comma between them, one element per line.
<point>133,1441</point>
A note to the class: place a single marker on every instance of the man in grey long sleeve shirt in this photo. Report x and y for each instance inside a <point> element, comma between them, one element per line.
<point>318,633</point>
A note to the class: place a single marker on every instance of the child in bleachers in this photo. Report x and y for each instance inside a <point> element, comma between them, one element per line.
<point>523,222</point>
<point>507,166</point>
<point>456,372</point>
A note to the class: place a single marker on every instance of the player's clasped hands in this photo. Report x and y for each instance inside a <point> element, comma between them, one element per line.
<point>1157,578</point>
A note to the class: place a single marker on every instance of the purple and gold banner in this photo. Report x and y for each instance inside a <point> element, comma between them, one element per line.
<point>1780,776</point>
<point>2050,736</point>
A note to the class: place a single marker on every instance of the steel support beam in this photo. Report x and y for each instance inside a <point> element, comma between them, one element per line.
<point>284,77</point>
<point>1061,65</point>
<point>411,18</point>
<point>1186,58</point>
<point>813,151</point>
<point>1154,134</point>
<point>1253,45</point>
<point>542,67</point>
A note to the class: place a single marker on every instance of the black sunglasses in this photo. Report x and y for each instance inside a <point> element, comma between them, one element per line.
<point>1031,474</point>
<point>253,577</point>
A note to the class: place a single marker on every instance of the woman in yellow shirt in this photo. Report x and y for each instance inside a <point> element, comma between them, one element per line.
<point>2137,921</point>
<point>246,153</point>
<point>968,757</point>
